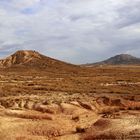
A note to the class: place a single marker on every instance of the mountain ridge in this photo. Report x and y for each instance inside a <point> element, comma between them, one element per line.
<point>31,58</point>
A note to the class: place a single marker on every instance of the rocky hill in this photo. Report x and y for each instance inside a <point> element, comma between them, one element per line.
<point>122,59</point>
<point>29,58</point>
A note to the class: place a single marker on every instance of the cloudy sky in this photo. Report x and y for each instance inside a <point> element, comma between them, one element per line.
<point>76,31</point>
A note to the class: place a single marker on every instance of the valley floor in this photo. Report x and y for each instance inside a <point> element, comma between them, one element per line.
<point>81,104</point>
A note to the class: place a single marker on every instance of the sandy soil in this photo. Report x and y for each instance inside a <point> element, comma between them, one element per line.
<point>85,104</point>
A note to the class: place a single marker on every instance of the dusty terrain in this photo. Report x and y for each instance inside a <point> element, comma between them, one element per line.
<point>69,102</point>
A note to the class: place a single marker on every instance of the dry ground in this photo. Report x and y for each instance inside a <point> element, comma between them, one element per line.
<point>77,104</point>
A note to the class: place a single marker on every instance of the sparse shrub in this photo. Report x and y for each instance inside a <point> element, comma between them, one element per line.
<point>80,129</point>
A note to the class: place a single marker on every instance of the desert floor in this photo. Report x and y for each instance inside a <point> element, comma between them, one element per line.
<point>78,104</point>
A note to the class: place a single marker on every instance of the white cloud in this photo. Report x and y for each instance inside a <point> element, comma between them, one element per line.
<point>77,31</point>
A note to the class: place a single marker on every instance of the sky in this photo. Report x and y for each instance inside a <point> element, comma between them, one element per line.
<point>75,31</point>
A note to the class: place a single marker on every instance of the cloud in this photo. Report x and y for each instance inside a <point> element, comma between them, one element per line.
<point>76,31</point>
<point>129,14</point>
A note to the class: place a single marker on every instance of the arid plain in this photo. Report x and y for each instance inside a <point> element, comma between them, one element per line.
<point>46,99</point>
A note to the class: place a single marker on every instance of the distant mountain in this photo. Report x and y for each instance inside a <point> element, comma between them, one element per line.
<point>122,59</point>
<point>32,59</point>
